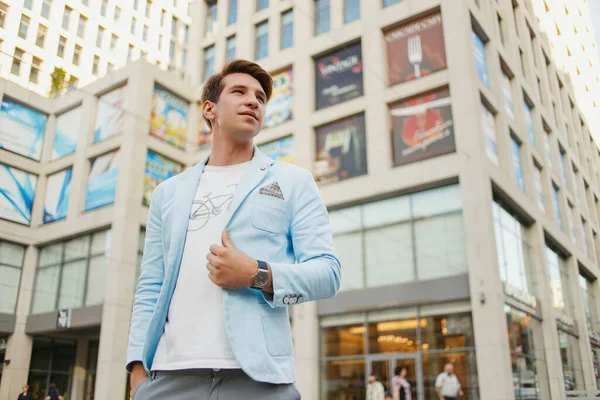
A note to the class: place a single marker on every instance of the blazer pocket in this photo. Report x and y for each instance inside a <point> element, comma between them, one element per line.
<point>268,214</point>
<point>278,337</point>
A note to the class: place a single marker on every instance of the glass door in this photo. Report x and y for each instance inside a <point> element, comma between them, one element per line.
<point>384,368</point>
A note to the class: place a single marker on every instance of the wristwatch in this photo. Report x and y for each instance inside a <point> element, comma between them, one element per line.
<point>260,279</point>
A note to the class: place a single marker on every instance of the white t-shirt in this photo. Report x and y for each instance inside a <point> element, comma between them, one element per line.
<point>195,335</point>
<point>448,384</point>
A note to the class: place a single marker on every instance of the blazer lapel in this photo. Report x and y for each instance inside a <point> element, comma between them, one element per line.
<point>256,172</point>
<point>185,192</point>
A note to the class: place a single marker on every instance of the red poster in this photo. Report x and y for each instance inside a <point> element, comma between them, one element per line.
<point>415,49</point>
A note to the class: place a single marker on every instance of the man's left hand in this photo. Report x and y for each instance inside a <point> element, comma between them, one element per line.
<point>229,267</point>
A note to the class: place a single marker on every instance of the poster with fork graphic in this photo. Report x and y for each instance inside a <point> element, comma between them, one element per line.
<point>415,49</point>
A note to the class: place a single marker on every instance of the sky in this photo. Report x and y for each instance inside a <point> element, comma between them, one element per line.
<point>595,11</point>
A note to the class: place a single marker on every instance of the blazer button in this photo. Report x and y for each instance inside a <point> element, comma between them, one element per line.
<point>262,168</point>
<point>286,300</point>
<point>299,299</point>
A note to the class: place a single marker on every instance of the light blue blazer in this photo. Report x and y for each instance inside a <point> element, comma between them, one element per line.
<point>291,234</point>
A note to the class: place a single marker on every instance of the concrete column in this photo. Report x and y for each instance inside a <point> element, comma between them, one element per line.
<point>306,346</point>
<point>80,370</point>
<point>19,344</point>
<point>121,263</point>
<point>487,293</point>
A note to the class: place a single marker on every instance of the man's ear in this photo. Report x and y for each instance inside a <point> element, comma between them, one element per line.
<point>208,110</point>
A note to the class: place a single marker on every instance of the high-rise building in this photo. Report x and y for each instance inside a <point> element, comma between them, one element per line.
<point>450,148</point>
<point>87,39</point>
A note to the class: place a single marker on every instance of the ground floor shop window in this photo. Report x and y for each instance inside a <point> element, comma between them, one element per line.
<point>571,361</point>
<point>90,373</point>
<point>596,360</point>
<point>52,361</point>
<point>3,343</point>
<point>421,339</point>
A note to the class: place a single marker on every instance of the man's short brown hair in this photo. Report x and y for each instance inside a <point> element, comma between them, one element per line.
<point>214,85</point>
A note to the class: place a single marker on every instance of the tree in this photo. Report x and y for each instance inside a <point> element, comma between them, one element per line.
<point>59,81</point>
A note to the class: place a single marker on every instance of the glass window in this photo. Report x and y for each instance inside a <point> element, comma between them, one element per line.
<point>513,249</point>
<point>3,12</point>
<point>231,44</point>
<point>81,26</point>
<point>397,336</point>
<point>11,263</point>
<point>571,361</point>
<point>427,203</point>
<point>351,10</point>
<point>387,212</point>
<point>539,188</point>
<point>72,273</point>
<point>40,39</point>
<point>96,65</point>
<point>563,169</point>
<point>465,369</point>
<point>556,206</point>
<point>589,301</point>
<point>132,25</point>
<point>529,122</point>
<point>103,7</point>
<point>99,37</point>
<point>389,255</point>
<point>516,161</point>
<point>548,149</point>
<point>209,61</point>
<point>211,19</point>
<point>46,5</point>
<point>15,68</point>
<point>350,252</point>
<point>262,40</point>
<point>232,12</point>
<point>559,282</point>
<point>117,14</point>
<point>24,26</point>
<point>387,3</point>
<point>113,41</point>
<point>343,379</point>
<point>28,4</point>
<point>262,4</point>
<point>77,54</point>
<point>343,340</point>
<point>287,29</point>
<point>145,33</point>
<point>322,17</point>
<point>148,11</point>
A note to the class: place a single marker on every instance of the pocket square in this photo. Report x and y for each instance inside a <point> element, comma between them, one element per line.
<point>272,189</point>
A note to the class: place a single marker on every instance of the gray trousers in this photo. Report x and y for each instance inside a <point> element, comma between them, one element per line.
<point>209,384</point>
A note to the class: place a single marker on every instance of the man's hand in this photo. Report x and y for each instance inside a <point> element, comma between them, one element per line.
<point>138,374</point>
<point>229,267</point>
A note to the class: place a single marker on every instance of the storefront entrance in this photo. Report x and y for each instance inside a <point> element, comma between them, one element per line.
<point>384,367</point>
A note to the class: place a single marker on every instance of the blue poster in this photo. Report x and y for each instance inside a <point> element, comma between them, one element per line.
<point>516,161</point>
<point>279,108</point>
<point>158,169</point>
<point>21,129</point>
<point>17,189</point>
<point>58,189</point>
<point>480,62</point>
<point>68,126</point>
<point>102,182</point>
<point>110,115</point>
<point>280,150</point>
<point>529,122</point>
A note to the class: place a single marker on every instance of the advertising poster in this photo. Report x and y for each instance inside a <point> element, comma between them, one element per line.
<point>339,76</point>
<point>279,108</point>
<point>529,123</point>
<point>110,115</point>
<point>68,126</point>
<point>415,49</point>
<point>17,189</point>
<point>169,117</point>
<point>280,150</point>
<point>102,182</point>
<point>58,190</point>
<point>539,188</point>
<point>21,129</point>
<point>341,150</point>
<point>158,169</point>
<point>422,127</point>
<point>506,91</point>
<point>489,134</point>
<point>204,138</point>
<point>515,149</point>
<point>480,61</point>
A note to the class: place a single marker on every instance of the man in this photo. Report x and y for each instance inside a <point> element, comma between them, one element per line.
<point>25,395</point>
<point>447,385</point>
<point>231,244</point>
<point>375,389</point>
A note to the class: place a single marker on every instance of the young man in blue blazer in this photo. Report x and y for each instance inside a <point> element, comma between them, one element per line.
<point>231,244</point>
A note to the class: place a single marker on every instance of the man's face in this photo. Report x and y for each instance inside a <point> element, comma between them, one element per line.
<point>372,378</point>
<point>240,111</point>
<point>449,369</point>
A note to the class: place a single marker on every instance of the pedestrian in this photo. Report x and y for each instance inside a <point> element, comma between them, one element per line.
<point>400,386</point>
<point>447,385</point>
<point>231,244</point>
<point>25,395</point>
<point>375,389</point>
<point>53,393</point>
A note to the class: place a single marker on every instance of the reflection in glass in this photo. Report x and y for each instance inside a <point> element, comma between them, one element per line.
<point>464,368</point>
<point>343,379</point>
<point>571,361</point>
<point>343,341</point>
<point>389,255</point>
<point>559,282</point>
<point>394,336</point>
<point>445,332</point>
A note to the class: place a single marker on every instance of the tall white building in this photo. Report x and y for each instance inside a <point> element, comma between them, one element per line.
<point>88,38</point>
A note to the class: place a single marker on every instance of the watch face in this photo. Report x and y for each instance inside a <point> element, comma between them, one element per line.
<point>261,278</point>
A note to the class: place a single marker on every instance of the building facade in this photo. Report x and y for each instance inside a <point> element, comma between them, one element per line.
<point>464,207</point>
<point>88,38</point>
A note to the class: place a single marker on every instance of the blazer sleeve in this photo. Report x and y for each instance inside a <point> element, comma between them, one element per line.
<point>317,272</point>
<point>150,282</point>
